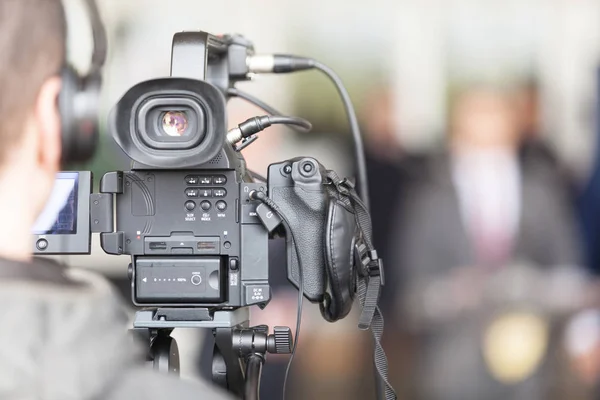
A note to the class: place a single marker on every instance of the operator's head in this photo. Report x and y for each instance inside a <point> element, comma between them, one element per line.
<point>484,118</point>
<point>32,45</point>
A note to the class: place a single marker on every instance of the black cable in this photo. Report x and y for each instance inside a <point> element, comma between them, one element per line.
<point>359,151</point>
<point>296,121</point>
<point>262,197</point>
<point>254,100</point>
<point>254,365</point>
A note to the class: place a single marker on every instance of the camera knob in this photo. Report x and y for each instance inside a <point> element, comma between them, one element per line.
<point>280,342</point>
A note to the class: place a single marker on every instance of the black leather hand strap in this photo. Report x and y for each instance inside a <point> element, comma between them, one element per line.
<point>370,278</point>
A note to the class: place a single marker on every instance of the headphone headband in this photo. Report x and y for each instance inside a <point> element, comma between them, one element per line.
<point>99,37</point>
<point>79,98</point>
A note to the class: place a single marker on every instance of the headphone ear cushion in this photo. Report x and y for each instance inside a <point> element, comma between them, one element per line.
<point>78,105</point>
<point>339,256</point>
<point>66,105</point>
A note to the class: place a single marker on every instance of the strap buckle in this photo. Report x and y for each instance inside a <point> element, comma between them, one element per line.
<point>375,266</point>
<point>370,262</point>
<point>345,186</point>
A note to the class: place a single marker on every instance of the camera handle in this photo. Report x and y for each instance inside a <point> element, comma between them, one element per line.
<point>239,351</point>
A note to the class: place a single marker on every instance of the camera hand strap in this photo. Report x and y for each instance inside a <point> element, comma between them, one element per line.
<point>370,278</point>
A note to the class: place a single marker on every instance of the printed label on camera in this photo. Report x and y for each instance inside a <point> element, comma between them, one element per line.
<point>190,218</point>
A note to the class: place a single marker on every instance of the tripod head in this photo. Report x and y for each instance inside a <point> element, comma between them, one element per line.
<point>239,352</point>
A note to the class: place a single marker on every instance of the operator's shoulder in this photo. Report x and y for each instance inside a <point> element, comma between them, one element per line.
<point>146,384</point>
<point>64,289</point>
<point>49,273</point>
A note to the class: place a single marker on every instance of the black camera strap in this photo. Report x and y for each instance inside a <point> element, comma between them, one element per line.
<point>370,276</point>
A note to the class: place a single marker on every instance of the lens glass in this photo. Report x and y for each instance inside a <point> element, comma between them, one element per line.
<point>174,123</point>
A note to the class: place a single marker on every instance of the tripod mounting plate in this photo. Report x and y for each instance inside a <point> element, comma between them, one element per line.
<point>169,318</point>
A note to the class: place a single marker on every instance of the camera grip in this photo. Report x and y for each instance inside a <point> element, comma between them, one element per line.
<point>306,212</point>
<point>296,186</point>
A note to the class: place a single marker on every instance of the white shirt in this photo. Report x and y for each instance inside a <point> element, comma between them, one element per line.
<point>488,185</point>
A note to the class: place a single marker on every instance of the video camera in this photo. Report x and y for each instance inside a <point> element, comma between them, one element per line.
<point>197,222</point>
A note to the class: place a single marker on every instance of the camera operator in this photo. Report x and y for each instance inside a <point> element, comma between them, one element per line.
<point>64,332</point>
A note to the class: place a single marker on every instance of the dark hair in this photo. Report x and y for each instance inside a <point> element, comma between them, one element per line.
<point>33,48</point>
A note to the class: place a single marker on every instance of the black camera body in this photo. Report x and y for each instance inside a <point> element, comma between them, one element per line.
<point>183,213</point>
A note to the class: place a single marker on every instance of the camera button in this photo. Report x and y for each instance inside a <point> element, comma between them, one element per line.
<point>308,169</point>
<point>221,205</point>
<point>205,180</point>
<point>196,280</point>
<point>191,180</point>
<point>191,193</point>
<point>205,205</point>
<point>190,205</point>
<point>42,244</point>
<point>219,192</point>
<point>205,192</point>
<point>220,180</point>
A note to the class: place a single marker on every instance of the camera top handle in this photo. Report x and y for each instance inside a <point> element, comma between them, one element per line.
<point>219,60</point>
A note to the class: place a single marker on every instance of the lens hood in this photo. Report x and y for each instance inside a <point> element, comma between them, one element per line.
<point>134,122</point>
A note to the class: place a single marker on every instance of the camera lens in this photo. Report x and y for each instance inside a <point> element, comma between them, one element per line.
<point>174,123</point>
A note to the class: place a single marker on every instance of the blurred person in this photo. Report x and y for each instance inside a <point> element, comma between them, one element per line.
<point>382,153</point>
<point>65,331</point>
<point>533,144</point>
<point>389,168</point>
<point>477,209</point>
<point>589,197</point>
<point>380,128</point>
<point>581,345</point>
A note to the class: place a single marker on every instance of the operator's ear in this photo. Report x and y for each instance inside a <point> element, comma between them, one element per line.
<point>47,117</point>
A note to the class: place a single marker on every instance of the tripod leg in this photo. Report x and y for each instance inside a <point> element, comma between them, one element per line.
<point>165,353</point>
<point>233,368</point>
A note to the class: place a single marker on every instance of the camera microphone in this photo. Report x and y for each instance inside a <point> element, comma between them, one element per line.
<point>278,63</point>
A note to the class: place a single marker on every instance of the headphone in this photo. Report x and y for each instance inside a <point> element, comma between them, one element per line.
<point>79,98</point>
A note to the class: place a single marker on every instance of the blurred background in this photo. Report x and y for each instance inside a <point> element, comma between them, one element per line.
<point>481,122</point>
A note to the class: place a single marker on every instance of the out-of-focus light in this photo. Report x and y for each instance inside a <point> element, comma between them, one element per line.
<point>514,345</point>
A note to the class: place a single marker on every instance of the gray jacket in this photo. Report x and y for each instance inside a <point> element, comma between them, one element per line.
<point>64,337</point>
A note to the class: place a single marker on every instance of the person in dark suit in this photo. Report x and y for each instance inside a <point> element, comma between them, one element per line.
<point>478,207</point>
<point>389,168</point>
